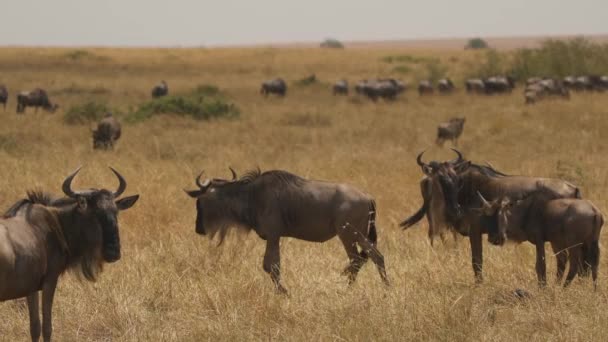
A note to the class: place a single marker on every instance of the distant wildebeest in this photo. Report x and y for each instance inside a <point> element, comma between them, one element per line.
<point>450,130</point>
<point>278,204</point>
<point>425,87</point>
<point>387,89</point>
<point>160,90</point>
<point>3,95</point>
<point>449,192</point>
<point>475,86</point>
<point>499,84</point>
<point>35,98</point>
<point>546,87</point>
<point>275,86</point>
<point>44,238</point>
<point>340,87</point>
<point>445,86</point>
<point>107,132</point>
<point>572,226</point>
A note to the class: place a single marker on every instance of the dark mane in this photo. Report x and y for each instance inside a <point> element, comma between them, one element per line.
<point>488,170</point>
<point>279,175</point>
<point>36,196</point>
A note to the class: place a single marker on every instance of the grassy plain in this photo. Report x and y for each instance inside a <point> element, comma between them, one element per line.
<point>173,285</point>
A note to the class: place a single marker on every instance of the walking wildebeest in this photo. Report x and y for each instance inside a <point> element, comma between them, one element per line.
<point>278,204</point>
<point>425,87</point>
<point>544,88</point>
<point>160,90</point>
<point>340,87</point>
<point>275,86</point>
<point>387,89</point>
<point>44,240</point>
<point>499,84</point>
<point>107,132</point>
<point>445,86</point>
<point>572,226</point>
<point>450,130</point>
<point>449,193</point>
<point>35,98</point>
<point>3,95</point>
<point>475,86</point>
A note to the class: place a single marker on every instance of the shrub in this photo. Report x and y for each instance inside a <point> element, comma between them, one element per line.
<point>85,113</point>
<point>312,79</point>
<point>404,59</point>
<point>492,64</point>
<point>476,43</point>
<point>332,44</point>
<point>435,70</point>
<point>204,103</point>
<point>402,69</point>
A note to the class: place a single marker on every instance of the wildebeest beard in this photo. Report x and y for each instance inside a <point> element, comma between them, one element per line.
<point>216,216</point>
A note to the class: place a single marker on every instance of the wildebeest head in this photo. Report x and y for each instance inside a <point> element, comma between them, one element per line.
<point>217,204</point>
<point>98,211</point>
<point>446,175</point>
<point>500,210</point>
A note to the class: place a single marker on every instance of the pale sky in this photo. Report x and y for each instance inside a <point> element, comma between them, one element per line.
<point>232,22</point>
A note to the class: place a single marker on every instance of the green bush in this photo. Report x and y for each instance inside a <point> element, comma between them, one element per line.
<point>477,43</point>
<point>86,113</point>
<point>332,43</point>
<point>435,70</point>
<point>204,103</point>
<point>404,59</point>
<point>492,64</point>
<point>402,69</point>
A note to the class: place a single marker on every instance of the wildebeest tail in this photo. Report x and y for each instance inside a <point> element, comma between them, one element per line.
<point>412,220</point>
<point>372,233</point>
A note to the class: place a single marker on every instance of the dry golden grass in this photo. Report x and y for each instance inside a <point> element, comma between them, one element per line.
<point>173,285</point>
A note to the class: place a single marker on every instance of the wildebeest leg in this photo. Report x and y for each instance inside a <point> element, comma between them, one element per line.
<point>356,260</point>
<point>34,312</point>
<point>575,261</point>
<point>373,252</point>
<point>562,259</point>
<point>476,253</point>
<point>595,260</point>
<point>272,263</point>
<point>541,266</point>
<point>48,293</point>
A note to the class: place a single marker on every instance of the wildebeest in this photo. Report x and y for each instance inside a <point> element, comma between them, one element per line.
<point>278,204</point>
<point>45,239</point>
<point>498,84</point>
<point>572,226</point>
<point>425,87</point>
<point>387,89</point>
<point>275,86</point>
<point>449,193</point>
<point>445,86</point>
<point>340,87</point>
<point>3,95</point>
<point>35,98</point>
<point>543,88</point>
<point>475,86</point>
<point>107,132</point>
<point>160,90</point>
<point>450,130</point>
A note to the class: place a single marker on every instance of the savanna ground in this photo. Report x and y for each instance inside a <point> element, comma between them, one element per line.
<point>173,285</point>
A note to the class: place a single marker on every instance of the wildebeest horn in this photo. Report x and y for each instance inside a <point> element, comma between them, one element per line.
<point>419,159</point>
<point>122,184</point>
<point>234,177</point>
<point>67,184</point>
<point>483,200</point>
<point>204,185</point>
<point>459,159</point>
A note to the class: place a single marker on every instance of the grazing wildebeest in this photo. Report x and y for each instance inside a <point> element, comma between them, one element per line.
<point>278,204</point>
<point>107,132</point>
<point>571,226</point>
<point>499,84</point>
<point>35,98</point>
<point>3,95</point>
<point>275,86</point>
<point>450,130</point>
<point>545,88</point>
<point>449,191</point>
<point>445,86</point>
<point>160,90</point>
<point>475,86</point>
<point>45,239</point>
<point>340,87</point>
<point>425,87</point>
<point>387,89</point>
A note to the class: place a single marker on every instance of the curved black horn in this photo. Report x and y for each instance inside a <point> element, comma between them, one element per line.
<point>459,159</point>
<point>234,177</point>
<point>67,184</point>
<point>204,185</point>
<point>122,183</point>
<point>419,159</point>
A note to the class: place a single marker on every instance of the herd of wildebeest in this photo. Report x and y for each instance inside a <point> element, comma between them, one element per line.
<point>43,235</point>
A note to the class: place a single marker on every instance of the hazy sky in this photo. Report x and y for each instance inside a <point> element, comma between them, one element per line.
<point>228,22</point>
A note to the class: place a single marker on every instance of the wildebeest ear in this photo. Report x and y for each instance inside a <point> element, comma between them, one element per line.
<point>193,193</point>
<point>82,203</point>
<point>427,170</point>
<point>127,202</point>
<point>462,166</point>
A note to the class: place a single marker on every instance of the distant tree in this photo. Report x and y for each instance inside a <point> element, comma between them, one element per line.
<point>332,43</point>
<point>476,43</point>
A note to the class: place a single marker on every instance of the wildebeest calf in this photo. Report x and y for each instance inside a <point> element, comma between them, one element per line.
<point>107,132</point>
<point>450,130</point>
<point>278,204</point>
